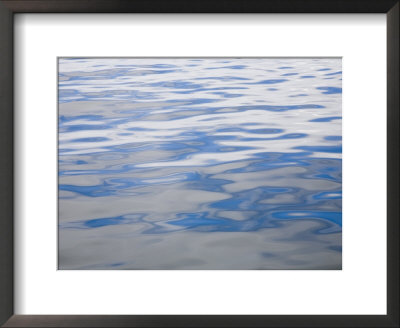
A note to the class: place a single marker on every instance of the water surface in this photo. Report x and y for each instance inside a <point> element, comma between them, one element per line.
<point>200,163</point>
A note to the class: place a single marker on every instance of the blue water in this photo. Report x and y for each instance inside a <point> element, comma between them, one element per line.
<point>200,163</point>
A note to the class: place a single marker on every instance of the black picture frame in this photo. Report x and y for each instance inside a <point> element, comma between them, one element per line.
<point>10,7</point>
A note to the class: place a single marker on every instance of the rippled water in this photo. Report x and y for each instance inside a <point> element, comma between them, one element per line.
<point>200,163</point>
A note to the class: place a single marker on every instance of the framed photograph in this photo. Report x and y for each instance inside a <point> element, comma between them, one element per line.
<point>199,164</point>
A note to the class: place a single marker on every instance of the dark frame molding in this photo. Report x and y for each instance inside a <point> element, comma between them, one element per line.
<point>7,10</point>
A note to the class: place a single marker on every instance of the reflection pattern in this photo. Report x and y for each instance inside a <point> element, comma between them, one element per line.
<point>200,163</point>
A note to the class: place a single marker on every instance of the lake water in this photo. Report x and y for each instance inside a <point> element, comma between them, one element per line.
<point>200,163</point>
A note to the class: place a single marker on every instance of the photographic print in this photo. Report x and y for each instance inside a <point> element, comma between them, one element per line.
<point>199,163</point>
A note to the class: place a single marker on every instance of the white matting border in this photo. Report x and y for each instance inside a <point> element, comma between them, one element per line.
<point>360,288</point>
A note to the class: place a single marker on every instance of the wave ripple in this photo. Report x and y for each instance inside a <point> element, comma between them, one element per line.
<point>208,163</point>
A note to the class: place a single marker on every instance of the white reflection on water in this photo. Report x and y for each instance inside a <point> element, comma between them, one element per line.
<point>200,163</point>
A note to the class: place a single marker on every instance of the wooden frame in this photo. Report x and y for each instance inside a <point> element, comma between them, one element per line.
<point>7,10</point>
